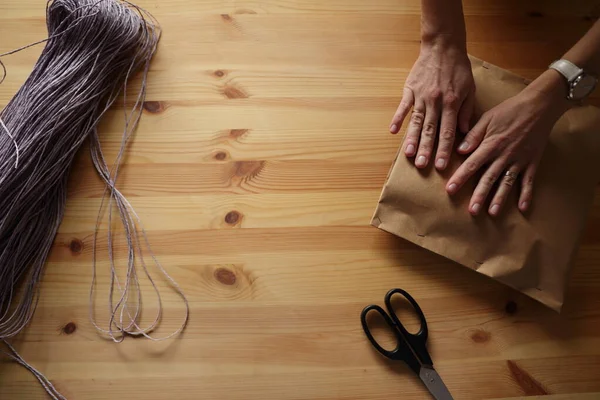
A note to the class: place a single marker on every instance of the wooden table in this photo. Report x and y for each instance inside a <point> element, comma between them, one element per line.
<point>256,170</point>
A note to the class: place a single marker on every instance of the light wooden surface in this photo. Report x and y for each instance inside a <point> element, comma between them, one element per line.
<point>255,170</point>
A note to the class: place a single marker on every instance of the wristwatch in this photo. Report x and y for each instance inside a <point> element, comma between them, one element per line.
<point>580,84</point>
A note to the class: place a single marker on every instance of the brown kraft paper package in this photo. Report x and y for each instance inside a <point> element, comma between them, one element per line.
<point>532,253</point>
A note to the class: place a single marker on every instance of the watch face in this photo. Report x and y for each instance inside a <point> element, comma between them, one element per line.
<point>583,86</point>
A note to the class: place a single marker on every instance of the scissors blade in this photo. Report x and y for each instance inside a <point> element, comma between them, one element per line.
<point>434,383</point>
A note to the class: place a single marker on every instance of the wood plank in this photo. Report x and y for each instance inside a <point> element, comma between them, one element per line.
<point>259,160</point>
<point>511,8</point>
<point>487,379</point>
<point>222,146</point>
<point>239,177</point>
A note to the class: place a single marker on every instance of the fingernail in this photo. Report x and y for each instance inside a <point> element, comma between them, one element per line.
<point>394,128</point>
<point>494,209</point>
<point>410,149</point>
<point>440,163</point>
<point>464,146</point>
<point>452,187</point>
<point>475,208</point>
<point>524,206</point>
<point>421,161</point>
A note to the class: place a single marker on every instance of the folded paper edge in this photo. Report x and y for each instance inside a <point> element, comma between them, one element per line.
<point>422,241</point>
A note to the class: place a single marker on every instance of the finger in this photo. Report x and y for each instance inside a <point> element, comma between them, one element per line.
<point>466,112</point>
<point>447,134</point>
<point>527,186</point>
<point>485,184</point>
<point>428,135</point>
<point>506,184</point>
<point>475,136</point>
<point>408,99</point>
<point>411,140</point>
<point>468,168</point>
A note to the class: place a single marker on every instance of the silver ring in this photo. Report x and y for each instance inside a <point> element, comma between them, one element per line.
<point>509,178</point>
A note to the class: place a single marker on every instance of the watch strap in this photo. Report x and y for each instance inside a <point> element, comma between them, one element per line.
<point>567,69</point>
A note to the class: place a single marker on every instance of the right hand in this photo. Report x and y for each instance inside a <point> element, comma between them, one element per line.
<point>440,86</point>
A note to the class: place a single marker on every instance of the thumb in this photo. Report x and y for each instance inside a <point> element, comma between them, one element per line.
<point>475,136</point>
<point>408,99</point>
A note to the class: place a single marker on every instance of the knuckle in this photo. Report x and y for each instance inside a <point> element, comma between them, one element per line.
<point>527,147</point>
<point>404,105</point>
<point>528,181</point>
<point>485,116</point>
<point>416,123</point>
<point>447,134</point>
<point>471,166</point>
<point>450,100</point>
<point>490,179</point>
<point>435,94</point>
<point>417,117</point>
<point>428,130</point>
<point>500,141</point>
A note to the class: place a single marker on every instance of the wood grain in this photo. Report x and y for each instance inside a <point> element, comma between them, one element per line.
<point>256,168</point>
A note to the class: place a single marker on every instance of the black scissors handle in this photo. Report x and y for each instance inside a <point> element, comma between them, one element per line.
<point>410,347</point>
<point>401,352</point>
<point>417,341</point>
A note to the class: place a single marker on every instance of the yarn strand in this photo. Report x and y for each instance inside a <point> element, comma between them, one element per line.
<point>93,50</point>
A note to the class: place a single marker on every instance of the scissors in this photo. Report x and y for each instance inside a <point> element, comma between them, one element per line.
<point>410,347</point>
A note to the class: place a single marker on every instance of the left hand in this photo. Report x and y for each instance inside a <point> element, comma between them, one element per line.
<point>510,140</point>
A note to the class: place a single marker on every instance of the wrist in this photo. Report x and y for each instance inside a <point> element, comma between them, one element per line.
<point>443,24</point>
<point>549,90</point>
<point>444,40</point>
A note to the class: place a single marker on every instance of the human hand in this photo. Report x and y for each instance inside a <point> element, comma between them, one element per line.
<point>509,140</point>
<point>440,85</point>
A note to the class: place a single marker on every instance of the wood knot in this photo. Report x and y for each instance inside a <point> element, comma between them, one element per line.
<point>480,336</point>
<point>225,276</point>
<point>232,217</point>
<point>234,92</point>
<point>220,155</point>
<point>535,14</point>
<point>237,133</point>
<point>248,169</point>
<point>219,73</point>
<point>154,107</point>
<point>511,307</point>
<point>76,246</point>
<point>69,328</point>
<point>228,281</point>
<point>226,17</point>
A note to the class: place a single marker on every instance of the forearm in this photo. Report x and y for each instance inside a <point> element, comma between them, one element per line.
<point>443,20</point>
<point>586,52</point>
